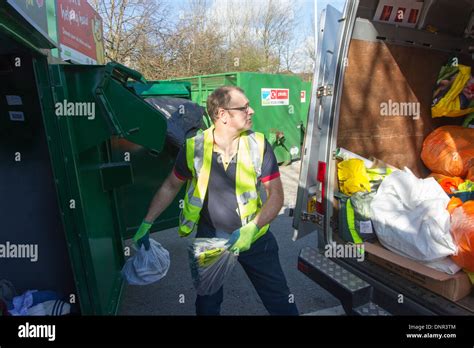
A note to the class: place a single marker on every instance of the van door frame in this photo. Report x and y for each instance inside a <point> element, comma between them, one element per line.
<point>321,135</point>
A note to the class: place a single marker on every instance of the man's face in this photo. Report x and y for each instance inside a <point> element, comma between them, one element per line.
<point>238,114</point>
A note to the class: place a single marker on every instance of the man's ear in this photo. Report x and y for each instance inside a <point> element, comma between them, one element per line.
<point>222,115</point>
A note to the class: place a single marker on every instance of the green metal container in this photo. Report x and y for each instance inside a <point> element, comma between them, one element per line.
<point>74,183</point>
<point>179,89</point>
<point>276,99</point>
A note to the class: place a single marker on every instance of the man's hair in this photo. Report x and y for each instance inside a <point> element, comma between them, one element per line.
<point>220,98</point>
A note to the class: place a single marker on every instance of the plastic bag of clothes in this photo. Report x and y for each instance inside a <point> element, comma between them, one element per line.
<point>358,216</point>
<point>410,217</point>
<point>462,229</point>
<point>39,303</point>
<point>147,266</point>
<point>183,117</point>
<point>454,92</point>
<point>449,150</point>
<point>211,263</point>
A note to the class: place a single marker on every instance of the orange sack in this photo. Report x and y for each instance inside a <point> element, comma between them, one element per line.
<point>437,176</point>
<point>462,229</point>
<point>450,185</point>
<point>449,150</point>
<point>453,204</point>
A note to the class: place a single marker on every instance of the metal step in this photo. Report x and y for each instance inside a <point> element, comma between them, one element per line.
<point>371,309</point>
<point>352,291</point>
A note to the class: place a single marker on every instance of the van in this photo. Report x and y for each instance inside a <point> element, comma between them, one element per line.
<point>363,62</point>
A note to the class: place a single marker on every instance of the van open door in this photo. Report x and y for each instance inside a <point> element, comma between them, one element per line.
<point>311,211</point>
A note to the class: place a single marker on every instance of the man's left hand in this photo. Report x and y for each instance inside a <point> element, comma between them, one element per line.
<point>246,235</point>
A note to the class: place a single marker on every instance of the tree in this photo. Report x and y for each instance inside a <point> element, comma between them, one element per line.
<point>210,36</point>
<point>133,29</point>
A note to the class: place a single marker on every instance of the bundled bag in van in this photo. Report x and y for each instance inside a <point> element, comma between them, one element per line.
<point>353,176</point>
<point>358,216</point>
<point>449,150</point>
<point>454,92</point>
<point>410,218</point>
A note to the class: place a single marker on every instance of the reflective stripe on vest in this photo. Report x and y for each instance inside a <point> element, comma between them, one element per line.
<point>248,170</point>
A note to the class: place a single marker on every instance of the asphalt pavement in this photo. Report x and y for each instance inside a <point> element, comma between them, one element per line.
<point>175,294</point>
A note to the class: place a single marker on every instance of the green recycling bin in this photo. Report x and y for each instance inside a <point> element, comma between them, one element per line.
<point>81,156</point>
<point>276,98</point>
<point>179,89</point>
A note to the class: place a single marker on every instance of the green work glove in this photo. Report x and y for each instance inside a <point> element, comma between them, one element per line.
<point>143,236</point>
<point>246,235</point>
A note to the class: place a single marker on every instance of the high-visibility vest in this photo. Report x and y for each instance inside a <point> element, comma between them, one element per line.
<point>249,165</point>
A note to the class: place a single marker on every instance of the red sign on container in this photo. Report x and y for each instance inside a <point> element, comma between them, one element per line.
<point>79,32</point>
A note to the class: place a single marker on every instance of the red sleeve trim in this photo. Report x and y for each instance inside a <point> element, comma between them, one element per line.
<point>179,176</point>
<point>270,177</point>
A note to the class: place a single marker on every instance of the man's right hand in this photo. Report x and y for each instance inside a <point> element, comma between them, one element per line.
<point>142,237</point>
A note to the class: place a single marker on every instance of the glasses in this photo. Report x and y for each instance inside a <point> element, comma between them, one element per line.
<point>242,108</point>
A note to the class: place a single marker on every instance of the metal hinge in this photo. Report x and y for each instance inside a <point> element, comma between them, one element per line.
<point>324,91</point>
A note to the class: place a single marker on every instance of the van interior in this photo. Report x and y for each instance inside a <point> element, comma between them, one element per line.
<point>390,62</point>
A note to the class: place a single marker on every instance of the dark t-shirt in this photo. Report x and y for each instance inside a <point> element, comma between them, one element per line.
<point>220,209</point>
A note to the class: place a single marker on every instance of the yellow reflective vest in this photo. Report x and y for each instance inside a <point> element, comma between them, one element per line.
<point>249,164</point>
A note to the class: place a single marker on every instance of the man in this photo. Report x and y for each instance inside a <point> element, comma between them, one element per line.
<point>225,166</point>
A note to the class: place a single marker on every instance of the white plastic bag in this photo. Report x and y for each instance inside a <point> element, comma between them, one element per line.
<point>410,217</point>
<point>147,266</point>
<point>445,265</point>
<point>211,263</point>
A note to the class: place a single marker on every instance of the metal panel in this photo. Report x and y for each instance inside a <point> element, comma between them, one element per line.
<point>371,309</point>
<point>381,32</point>
<point>351,290</point>
<point>150,170</point>
<point>332,51</point>
<point>279,123</point>
<point>90,215</point>
<point>88,190</point>
<point>29,213</point>
<point>16,24</point>
<point>162,88</point>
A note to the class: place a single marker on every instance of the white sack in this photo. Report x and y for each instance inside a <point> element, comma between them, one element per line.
<point>410,217</point>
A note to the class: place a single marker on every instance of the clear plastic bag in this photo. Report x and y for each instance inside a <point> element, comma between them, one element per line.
<point>147,266</point>
<point>211,263</point>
